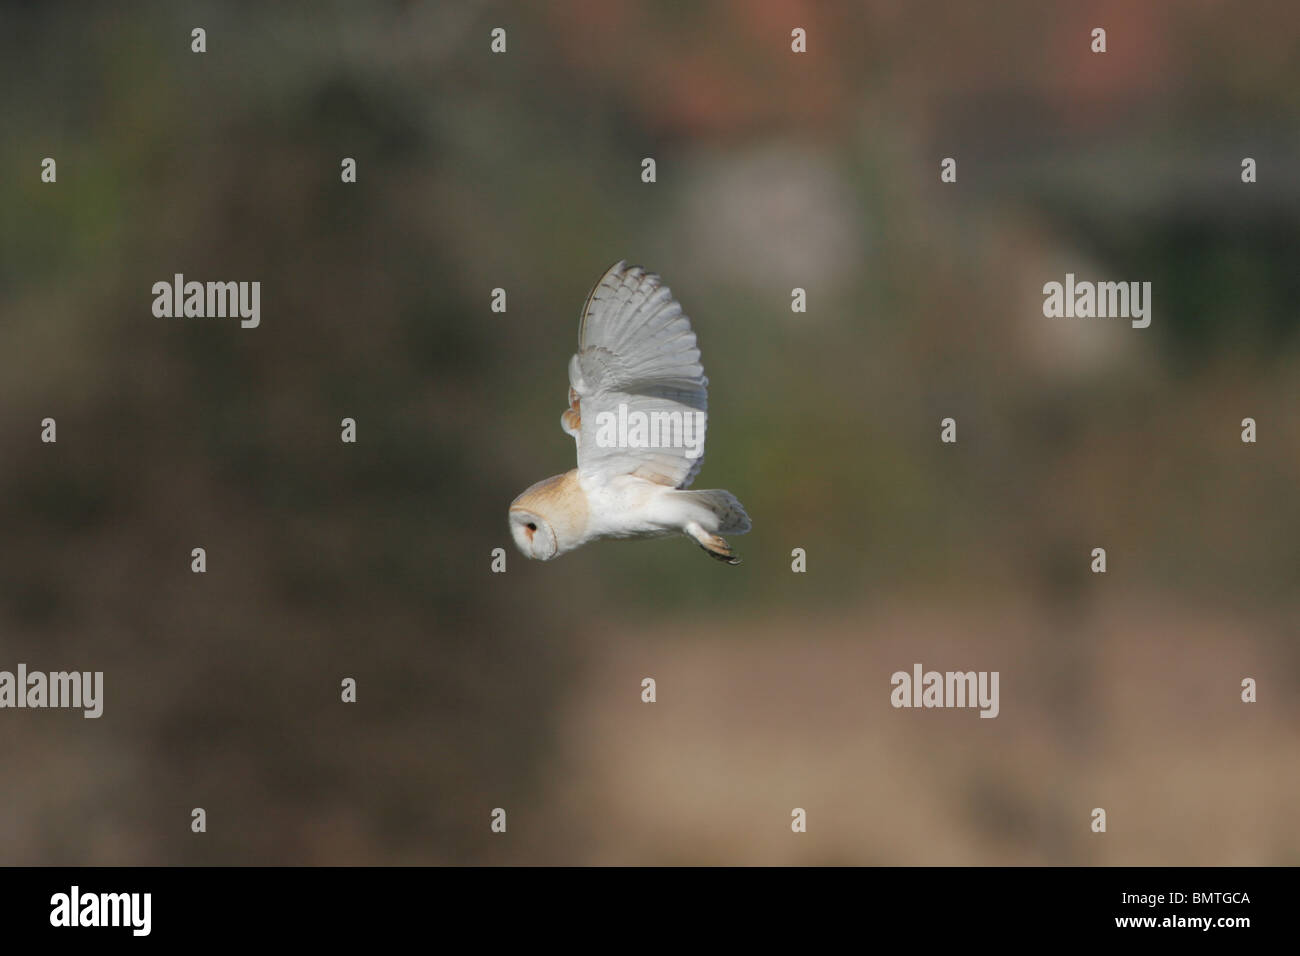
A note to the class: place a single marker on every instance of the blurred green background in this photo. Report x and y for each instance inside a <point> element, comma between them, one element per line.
<point>522,690</point>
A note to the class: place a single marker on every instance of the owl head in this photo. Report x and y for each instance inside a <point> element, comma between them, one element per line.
<point>550,518</point>
<point>534,535</point>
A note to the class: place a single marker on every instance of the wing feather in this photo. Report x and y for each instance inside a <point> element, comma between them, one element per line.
<point>636,349</point>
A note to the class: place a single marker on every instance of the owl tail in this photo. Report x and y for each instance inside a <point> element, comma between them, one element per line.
<point>718,511</point>
<point>715,511</point>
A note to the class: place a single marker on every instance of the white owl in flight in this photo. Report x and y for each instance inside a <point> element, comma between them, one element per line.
<point>638,404</point>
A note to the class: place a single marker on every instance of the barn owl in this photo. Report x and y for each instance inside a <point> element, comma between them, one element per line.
<point>637,410</point>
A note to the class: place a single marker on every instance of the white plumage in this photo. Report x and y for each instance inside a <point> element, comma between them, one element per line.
<point>636,360</point>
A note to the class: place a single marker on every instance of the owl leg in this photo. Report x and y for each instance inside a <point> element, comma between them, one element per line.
<point>714,545</point>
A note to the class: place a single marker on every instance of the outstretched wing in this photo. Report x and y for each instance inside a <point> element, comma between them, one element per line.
<point>637,362</point>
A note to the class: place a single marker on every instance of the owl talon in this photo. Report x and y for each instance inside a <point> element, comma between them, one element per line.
<point>717,547</point>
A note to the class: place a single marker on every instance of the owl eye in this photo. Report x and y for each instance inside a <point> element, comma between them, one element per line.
<point>531,526</point>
